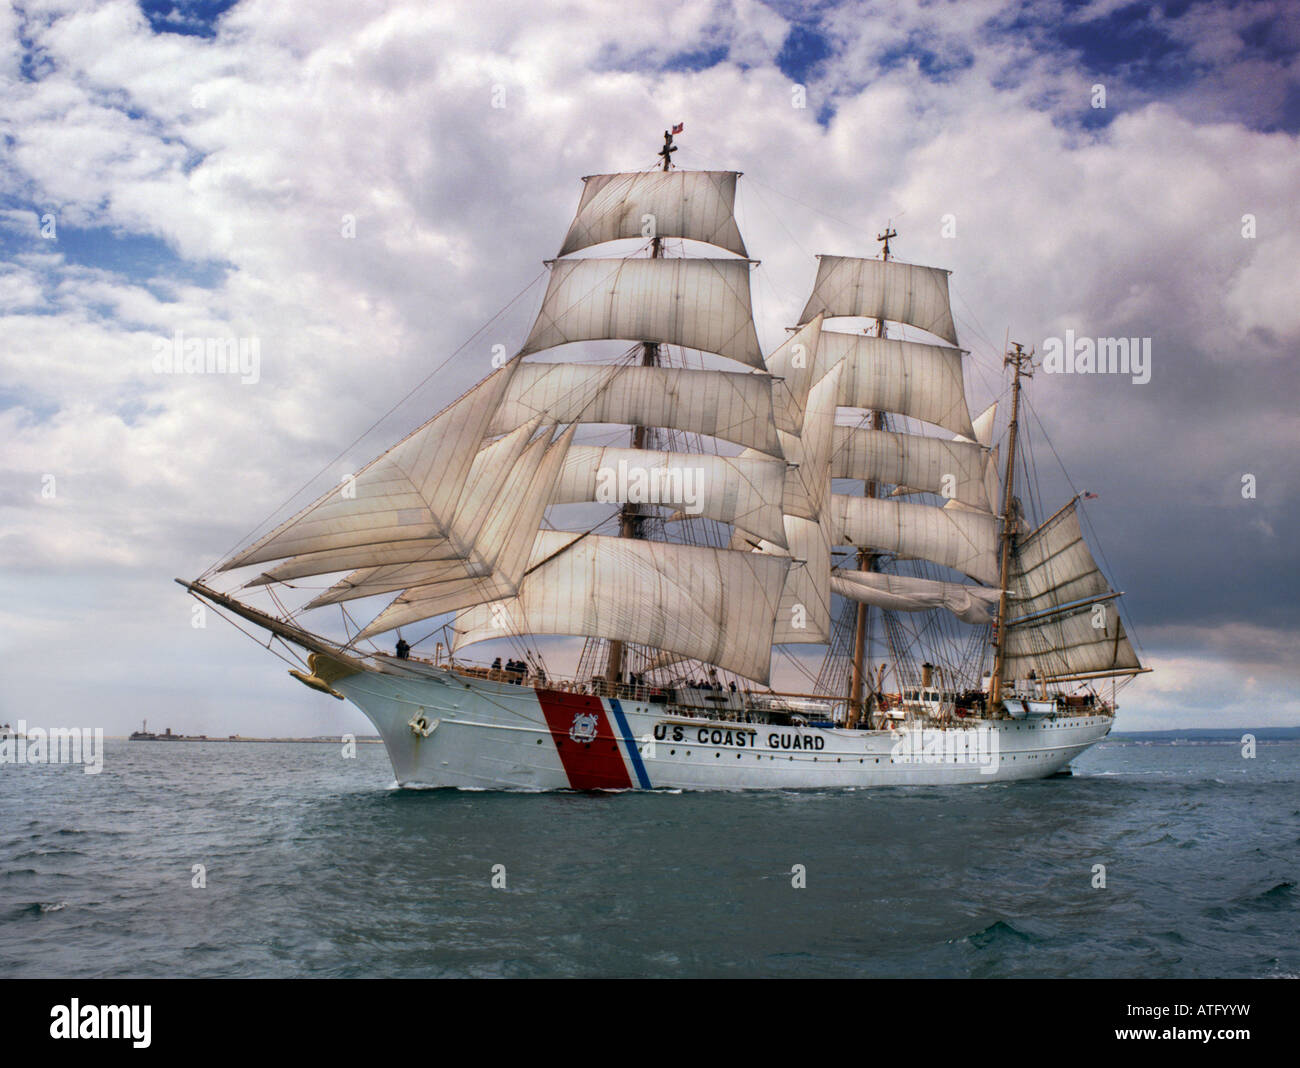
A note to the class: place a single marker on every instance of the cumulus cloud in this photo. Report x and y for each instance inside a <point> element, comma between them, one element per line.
<point>206,181</point>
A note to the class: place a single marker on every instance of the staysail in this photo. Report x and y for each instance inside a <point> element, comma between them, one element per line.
<point>411,491</point>
<point>500,550</point>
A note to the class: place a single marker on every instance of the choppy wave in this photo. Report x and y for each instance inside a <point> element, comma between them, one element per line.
<point>314,866</point>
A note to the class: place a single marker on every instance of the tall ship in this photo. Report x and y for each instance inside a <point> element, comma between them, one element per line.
<point>585,570</point>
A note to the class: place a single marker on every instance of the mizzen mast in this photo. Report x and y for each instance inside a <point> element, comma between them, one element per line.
<point>1023,366</point>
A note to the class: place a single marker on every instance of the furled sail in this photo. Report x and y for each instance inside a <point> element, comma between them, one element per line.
<point>903,593</point>
<point>922,381</point>
<point>411,491</point>
<point>745,491</point>
<point>953,469</point>
<point>699,303</point>
<point>964,541</point>
<point>882,289</point>
<point>696,205</point>
<point>713,605</point>
<point>736,407</point>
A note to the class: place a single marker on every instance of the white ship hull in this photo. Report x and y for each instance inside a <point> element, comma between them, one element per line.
<point>444,729</point>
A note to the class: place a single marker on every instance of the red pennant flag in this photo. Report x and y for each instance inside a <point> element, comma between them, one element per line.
<point>1089,496</point>
<point>678,128</point>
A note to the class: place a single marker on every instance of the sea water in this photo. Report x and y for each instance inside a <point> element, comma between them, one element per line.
<point>1165,857</point>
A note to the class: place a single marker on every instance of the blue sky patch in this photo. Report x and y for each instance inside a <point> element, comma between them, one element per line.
<point>139,257</point>
<point>803,51</point>
<point>192,18</point>
<point>700,59</point>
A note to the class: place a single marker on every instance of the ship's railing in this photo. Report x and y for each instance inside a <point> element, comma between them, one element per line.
<point>724,703</point>
<point>711,700</point>
<point>708,701</point>
<point>594,687</point>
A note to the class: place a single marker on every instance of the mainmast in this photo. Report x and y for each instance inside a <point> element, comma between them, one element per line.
<point>629,518</point>
<point>1023,364</point>
<point>866,559</point>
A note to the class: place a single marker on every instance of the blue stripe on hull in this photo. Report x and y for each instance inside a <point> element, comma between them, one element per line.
<point>634,754</point>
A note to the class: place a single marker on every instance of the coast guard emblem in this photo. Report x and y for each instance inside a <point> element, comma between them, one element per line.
<point>584,727</point>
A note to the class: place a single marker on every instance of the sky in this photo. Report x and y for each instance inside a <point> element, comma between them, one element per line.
<point>362,187</point>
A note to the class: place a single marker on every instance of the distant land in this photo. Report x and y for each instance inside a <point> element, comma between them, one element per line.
<point>1200,734</point>
<point>333,739</point>
<point>1213,734</point>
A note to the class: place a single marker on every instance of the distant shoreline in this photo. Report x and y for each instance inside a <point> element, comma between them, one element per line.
<point>1191,733</point>
<point>1214,733</point>
<point>362,740</point>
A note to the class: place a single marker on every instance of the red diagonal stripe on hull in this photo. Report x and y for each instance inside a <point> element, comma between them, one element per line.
<point>595,765</point>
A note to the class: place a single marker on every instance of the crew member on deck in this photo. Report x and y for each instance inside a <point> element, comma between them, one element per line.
<point>403,650</point>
